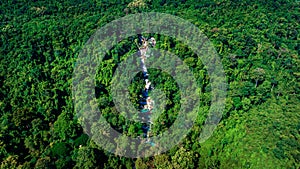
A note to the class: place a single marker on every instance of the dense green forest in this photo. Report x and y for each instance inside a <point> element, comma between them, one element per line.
<point>258,43</point>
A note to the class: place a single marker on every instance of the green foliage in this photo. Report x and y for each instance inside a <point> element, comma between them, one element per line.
<point>84,157</point>
<point>258,43</point>
<point>64,126</point>
<point>60,149</point>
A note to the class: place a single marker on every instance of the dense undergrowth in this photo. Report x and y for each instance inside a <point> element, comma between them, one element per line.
<point>258,43</point>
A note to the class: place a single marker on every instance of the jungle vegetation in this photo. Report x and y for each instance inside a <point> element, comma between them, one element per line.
<point>258,43</point>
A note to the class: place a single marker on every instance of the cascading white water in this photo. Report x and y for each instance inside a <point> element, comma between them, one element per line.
<point>147,103</point>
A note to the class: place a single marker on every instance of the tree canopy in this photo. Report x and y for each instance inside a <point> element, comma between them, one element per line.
<point>257,42</point>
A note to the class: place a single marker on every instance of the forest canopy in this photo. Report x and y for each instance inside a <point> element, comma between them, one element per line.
<point>257,43</point>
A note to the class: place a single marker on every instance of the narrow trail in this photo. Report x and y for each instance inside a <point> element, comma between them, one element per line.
<point>146,103</point>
